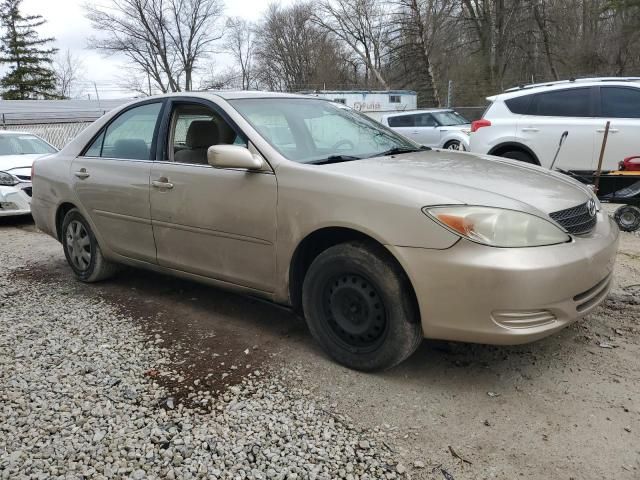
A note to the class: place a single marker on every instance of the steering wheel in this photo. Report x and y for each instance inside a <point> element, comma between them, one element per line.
<point>343,143</point>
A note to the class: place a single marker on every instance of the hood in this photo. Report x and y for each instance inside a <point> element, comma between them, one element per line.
<point>10,162</point>
<point>446,178</point>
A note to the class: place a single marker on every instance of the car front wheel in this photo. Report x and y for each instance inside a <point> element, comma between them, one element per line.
<point>358,306</point>
<point>454,145</point>
<point>82,250</point>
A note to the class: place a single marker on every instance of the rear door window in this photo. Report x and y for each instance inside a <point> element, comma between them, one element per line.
<point>620,102</point>
<point>403,121</point>
<point>573,102</point>
<point>425,120</point>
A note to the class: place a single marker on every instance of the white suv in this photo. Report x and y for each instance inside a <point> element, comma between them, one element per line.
<point>434,127</point>
<point>526,123</point>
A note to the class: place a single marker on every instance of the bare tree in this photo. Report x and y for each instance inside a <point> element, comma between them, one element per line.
<point>68,70</point>
<point>360,24</point>
<point>164,39</point>
<point>240,43</point>
<point>293,53</point>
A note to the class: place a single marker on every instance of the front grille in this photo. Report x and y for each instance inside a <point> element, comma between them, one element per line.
<point>28,191</point>
<point>576,220</point>
<point>26,178</point>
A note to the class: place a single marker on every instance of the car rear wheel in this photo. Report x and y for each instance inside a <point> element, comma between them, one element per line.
<point>358,307</point>
<point>628,218</point>
<point>519,155</point>
<point>82,250</point>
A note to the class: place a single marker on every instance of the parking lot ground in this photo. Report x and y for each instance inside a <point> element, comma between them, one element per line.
<point>564,407</point>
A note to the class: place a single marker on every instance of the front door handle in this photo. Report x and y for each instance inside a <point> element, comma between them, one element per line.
<point>162,183</point>
<point>82,174</point>
<point>530,129</point>
<point>611,130</point>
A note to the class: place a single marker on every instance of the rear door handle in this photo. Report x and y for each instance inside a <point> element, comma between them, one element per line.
<point>82,174</point>
<point>611,130</point>
<point>530,129</point>
<point>162,183</point>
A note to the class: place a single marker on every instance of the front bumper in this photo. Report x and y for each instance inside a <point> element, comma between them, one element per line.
<point>15,200</point>
<point>480,294</point>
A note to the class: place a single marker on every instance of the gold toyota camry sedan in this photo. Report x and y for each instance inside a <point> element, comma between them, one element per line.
<point>378,241</point>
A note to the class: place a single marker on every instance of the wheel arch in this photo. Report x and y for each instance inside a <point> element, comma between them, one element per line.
<point>320,240</point>
<point>504,147</point>
<point>61,211</point>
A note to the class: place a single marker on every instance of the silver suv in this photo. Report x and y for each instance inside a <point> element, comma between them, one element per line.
<point>436,127</point>
<point>525,123</point>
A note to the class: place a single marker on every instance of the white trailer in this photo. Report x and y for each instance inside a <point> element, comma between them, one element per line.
<point>374,103</point>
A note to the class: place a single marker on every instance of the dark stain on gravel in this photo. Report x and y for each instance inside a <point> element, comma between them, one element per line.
<point>214,338</point>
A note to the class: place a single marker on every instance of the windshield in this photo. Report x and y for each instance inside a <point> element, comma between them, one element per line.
<point>449,119</point>
<point>23,144</point>
<point>310,131</point>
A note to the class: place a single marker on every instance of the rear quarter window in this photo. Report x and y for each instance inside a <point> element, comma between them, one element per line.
<point>519,105</point>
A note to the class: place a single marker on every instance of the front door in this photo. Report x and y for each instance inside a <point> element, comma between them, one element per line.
<point>218,223</point>
<point>111,179</point>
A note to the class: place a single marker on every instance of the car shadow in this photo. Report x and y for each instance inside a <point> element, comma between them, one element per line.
<point>208,331</point>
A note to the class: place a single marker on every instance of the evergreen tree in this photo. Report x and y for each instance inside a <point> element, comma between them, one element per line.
<point>29,56</point>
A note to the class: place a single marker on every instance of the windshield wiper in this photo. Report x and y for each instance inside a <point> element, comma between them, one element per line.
<point>335,159</point>
<point>398,150</point>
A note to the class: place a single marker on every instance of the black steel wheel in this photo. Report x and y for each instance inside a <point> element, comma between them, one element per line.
<point>359,306</point>
<point>354,311</point>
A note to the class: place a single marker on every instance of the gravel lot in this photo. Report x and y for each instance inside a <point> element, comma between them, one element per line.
<point>146,376</point>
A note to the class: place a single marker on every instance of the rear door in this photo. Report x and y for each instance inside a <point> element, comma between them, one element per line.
<point>419,127</point>
<point>111,179</point>
<point>552,113</point>
<point>621,106</point>
<point>427,130</point>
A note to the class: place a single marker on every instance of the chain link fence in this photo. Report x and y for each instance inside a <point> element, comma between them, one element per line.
<point>57,134</point>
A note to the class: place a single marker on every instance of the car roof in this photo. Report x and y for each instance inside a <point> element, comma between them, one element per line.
<point>238,94</point>
<point>563,85</point>
<point>423,110</point>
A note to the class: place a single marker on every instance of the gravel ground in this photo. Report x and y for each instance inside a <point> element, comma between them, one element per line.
<point>147,376</point>
<point>81,398</point>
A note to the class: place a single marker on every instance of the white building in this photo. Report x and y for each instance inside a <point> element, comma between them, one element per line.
<point>374,103</point>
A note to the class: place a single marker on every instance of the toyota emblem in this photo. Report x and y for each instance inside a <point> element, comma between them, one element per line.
<point>592,207</point>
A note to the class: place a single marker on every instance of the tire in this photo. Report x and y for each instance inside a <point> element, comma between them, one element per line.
<point>358,307</point>
<point>454,145</point>
<point>627,218</point>
<point>519,155</point>
<point>90,265</point>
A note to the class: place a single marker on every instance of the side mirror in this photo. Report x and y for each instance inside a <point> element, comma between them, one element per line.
<point>233,156</point>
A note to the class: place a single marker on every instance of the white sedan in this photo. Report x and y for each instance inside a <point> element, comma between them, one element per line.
<point>18,150</point>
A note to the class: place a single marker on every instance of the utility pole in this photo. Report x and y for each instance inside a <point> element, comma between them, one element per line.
<point>95,86</point>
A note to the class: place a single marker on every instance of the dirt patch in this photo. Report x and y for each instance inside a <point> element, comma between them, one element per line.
<point>214,339</point>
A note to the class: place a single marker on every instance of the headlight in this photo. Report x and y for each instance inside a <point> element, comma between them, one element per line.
<point>8,180</point>
<point>497,227</point>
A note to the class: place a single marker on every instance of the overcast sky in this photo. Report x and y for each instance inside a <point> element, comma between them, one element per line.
<point>67,23</point>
